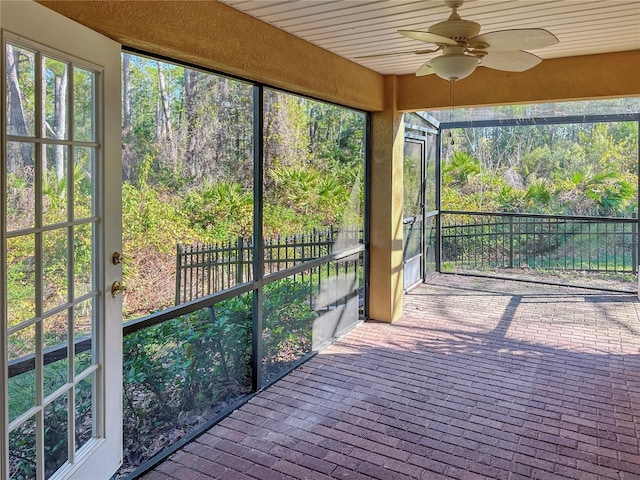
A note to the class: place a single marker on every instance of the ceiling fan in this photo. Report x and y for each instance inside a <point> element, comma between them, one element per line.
<point>464,48</point>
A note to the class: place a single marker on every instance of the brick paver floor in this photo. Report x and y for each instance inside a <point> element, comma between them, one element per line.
<point>480,379</point>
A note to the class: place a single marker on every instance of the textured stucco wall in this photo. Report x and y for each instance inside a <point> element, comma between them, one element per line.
<point>386,233</point>
<point>556,79</point>
<point>211,34</point>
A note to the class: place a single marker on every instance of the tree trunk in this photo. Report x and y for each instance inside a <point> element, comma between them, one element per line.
<point>126,99</point>
<point>191,88</point>
<point>159,128</point>
<point>127,128</point>
<point>60,119</point>
<point>166,114</point>
<point>166,110</point>
<point>16,117</point>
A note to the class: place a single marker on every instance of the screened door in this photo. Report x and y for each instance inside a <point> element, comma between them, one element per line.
<point>62,330</point>
<point>420,211</point>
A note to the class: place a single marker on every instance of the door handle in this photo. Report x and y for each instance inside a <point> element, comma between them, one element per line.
<point>117,288</point>
<point>116,258</point>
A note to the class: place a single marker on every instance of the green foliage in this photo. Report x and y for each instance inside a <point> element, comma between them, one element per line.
<point>178,370</point>
<point>149,217</point>
<point>460,169</point>
<point>592,192</point>
<point>286,134</point>
<point>223,211</point>
<point>535,198</point>
<point>287,319</point>
<point>178,373</point>
<point>309,193</point>
<point>586,170</point>
<point>179,362</point>
<point>336,134</point>
<point>560,169</point>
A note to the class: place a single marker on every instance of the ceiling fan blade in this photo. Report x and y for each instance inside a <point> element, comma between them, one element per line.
<point>427,37</point>
<point>415,52</point>
<point>425,70</point>
<point>517,61</point>
<point>515,39</point>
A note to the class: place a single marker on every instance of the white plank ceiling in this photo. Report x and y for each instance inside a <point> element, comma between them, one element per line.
<point>356,28</point>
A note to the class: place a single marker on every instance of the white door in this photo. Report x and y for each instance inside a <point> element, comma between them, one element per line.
<point>61,222</point>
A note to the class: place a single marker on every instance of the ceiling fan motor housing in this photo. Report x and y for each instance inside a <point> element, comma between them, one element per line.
<point>453,4</point>
<point>458,30</point>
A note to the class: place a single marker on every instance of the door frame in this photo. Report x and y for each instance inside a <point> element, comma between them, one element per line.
<point>53,33</point>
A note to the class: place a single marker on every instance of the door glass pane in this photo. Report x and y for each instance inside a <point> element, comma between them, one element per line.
<point>430,246</point>
<point>20,76</point>
<point>22,451</point>
<point>56,434</point>
<point>21,387</point>
<point>21,278</point>
<point>83,171</point>
<point>83,105</point>
<point>22,394</point>
<point>55,330</point>
<point>20,171</point>
<point>54,184</point>
<point>55,336</point>
<point>413,171</point>
<point>82,264</point>
<point>430,174</point>
<point>55,102</point>
<point>54,268</point>
<point>82,335</point>
<point>412,238</point>
<point>22,343</point>
<point>84,411</point>
<point>412,178</point>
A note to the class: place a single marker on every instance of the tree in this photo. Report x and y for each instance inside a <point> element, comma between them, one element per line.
<point>16,117</point>
<point>164,123</point>
<point>127,126</point>
<point>286,138</point>
<point>60,76</point>
<point>581,169</point>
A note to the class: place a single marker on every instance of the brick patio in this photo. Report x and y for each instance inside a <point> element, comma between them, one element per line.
<point>480,379</point>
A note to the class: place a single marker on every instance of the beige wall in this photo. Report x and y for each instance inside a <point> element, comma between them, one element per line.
<point>387,143</point>
<point>556,79</point>
<point>213,35</point>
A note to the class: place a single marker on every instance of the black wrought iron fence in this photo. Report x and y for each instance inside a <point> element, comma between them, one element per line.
<point>478,240</point>
<point>203,269</point>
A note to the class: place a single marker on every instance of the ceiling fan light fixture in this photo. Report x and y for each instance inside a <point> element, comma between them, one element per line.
<point>464,48</point>
<point>454,67</point>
